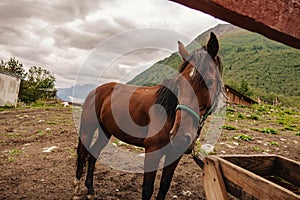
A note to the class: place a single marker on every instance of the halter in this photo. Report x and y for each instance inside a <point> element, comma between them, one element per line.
<point>200,119</point>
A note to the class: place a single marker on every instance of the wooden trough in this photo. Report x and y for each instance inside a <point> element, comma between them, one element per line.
<point>250,177</point>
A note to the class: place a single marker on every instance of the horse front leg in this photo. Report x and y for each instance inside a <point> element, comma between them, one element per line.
<point>167,175</point>
<point>89,179</point>
<point>82,155</point>
<point>151,164</point>
<point>95,151</point>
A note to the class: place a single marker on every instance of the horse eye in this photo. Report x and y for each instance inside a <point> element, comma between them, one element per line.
<point>209,83</point>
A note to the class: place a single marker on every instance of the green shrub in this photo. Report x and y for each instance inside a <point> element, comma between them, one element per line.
<point>269,131</point>
<point>253,117</point>
<point>241,116</point>
<point>243,137</point>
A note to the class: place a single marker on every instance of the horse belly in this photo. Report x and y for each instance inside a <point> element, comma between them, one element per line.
<point>119,122</point>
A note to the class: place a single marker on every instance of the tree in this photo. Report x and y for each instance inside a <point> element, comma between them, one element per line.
<point>244,89</point>
<point>36,85</point>
<point>13,66</point>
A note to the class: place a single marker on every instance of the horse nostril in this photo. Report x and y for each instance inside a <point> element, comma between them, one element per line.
<point>188,139</point>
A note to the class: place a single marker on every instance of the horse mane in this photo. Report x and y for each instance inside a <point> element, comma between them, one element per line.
<point>167,97</point>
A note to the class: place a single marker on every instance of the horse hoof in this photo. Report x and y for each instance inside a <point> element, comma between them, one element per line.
<point>75,197</point>
<point>90,196</point>
<point>76,182</point>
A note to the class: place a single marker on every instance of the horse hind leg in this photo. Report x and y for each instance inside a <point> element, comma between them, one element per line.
<point>99,144</point>
<point>82,155</point>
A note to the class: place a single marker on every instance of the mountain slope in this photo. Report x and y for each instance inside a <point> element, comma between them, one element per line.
<point>167,67</point>
<point>269,68</point>
<point>75,93</point>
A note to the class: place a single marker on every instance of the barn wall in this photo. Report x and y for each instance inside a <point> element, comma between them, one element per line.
<point>9,90</point>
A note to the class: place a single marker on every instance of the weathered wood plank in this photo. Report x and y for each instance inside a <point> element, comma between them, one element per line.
<point>253,184</point>
<point>262,165</point>
<point>213,183</point>
<point>276,19</point>
<point>288,170</point>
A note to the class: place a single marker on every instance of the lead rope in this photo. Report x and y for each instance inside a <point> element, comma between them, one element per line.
<point>201,124</point>
<point>194,156</point>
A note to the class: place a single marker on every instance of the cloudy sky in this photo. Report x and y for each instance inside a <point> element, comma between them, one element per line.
<point>95,40</point>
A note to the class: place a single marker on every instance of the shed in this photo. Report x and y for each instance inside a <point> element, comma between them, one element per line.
<point>236,97</point>
<point>9,89</point>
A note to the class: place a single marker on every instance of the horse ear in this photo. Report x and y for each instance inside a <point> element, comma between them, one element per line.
<point>212,45</point>
<point>182,51</point>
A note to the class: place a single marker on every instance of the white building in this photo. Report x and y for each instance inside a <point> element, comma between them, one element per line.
<point>9,89</point>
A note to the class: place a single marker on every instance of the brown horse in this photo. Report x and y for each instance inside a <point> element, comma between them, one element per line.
<point>165,119</point>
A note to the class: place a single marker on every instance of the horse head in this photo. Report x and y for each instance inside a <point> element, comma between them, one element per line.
<point>199,85</point>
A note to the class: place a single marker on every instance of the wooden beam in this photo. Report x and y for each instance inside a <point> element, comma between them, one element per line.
<point>276,19</point>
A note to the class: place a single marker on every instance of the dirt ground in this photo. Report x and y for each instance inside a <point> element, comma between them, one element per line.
<point>38,153</point>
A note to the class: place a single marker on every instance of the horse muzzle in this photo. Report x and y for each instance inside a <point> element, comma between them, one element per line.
<point>181,143</point>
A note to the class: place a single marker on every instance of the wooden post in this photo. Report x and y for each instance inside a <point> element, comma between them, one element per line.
<point>213,182</point>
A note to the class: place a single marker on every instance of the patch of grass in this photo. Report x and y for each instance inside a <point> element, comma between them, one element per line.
<point>254,129</point>
<point>13,135</point>
<point>138,149</point>
<point>259,108</point>
<point>253,117</point>
<point>274,143</point>
<point>291,127</point>
<point>230,110</point>
<point>52,122</point>
<point>6,107</point>
<point>44,104</point>
<point>282,121</point>
<point>257,149</point>
<point>15,152</point>
<point>120,143</point>
<point>243,137</point>
<point>2,142</point>
<point>41,133</point>
<point>71,151</point>
<point>38,104</point>
<point>241,116</point>
<point>269,131</point>
<point>11,159</point>
<point>289,112</point>
<point>12,154</point>
<point>297,134</point>
<point>229,127</point>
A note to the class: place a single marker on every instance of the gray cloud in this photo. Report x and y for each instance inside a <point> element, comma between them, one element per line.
<point>61,35</point>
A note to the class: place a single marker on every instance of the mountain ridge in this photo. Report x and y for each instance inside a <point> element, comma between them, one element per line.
<point>269,69</point>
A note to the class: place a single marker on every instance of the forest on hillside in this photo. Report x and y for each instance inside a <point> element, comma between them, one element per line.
<point>253,65</point>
